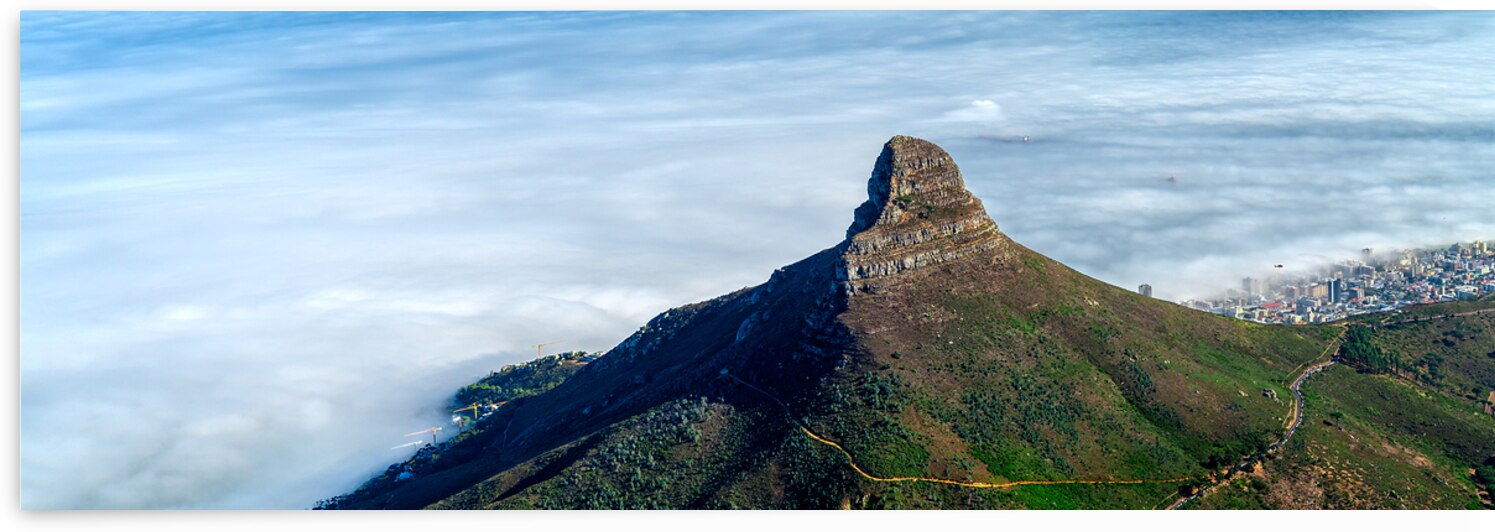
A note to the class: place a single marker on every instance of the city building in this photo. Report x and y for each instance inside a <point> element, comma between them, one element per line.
<point>1395,279</point>
<point>1251,286</point>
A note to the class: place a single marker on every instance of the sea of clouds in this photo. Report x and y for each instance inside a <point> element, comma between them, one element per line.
<point>256,248</point>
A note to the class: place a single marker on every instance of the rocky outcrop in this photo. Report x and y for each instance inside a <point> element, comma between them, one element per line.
<point>918,213</point>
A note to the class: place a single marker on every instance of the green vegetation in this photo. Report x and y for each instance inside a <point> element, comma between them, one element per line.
<point>685,453</point>
<point>521,380</point>
<point>1025,371</point>
<point>1051,375</point>
<point>508,384</point>
<point>870,408</point>
<point>1360,352</point>
<point>911,495</point>
<point>1394,434</point>
<point>1454,354</point>
<point>621,468</point>
<point>1485,474</point>
<point>1393,445</point>
<point>1012,386</point>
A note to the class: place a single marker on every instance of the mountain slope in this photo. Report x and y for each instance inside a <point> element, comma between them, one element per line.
<point>927,345</point>
<point>1416,433</point>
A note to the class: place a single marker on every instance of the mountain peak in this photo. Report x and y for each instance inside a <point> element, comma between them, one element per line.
<point>910,174</point>
<point>918,213</point>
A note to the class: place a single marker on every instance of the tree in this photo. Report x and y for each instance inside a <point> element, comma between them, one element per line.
<point>1360,352</point>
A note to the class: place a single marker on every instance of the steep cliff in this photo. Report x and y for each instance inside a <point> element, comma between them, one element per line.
<point>918,213</point>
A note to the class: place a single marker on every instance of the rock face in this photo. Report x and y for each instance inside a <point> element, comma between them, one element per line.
<point>918,214</point>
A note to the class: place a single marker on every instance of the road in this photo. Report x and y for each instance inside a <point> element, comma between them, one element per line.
<point>1295,414</point>
<point>1292,421</point>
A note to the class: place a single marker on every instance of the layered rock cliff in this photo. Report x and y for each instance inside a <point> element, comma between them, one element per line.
<point>918,213</point>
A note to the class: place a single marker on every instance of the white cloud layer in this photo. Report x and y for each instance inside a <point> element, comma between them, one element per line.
<point>257,248</point>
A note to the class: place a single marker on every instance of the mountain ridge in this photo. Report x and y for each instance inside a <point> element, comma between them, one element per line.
<point>927,344</point>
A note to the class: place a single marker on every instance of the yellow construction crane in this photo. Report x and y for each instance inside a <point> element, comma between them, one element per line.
<point>538,353</point>
<point>476,407</point>
<point>461,421</point>
<point>431,430</point>
<point>473,407</point>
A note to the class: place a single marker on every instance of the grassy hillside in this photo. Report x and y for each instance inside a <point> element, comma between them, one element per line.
<point>521,380</point>
<point>1019,369</point>
<point>1449,346</point>
<point>1038,374</point>
<point>1023,369</point>
<point>1409,438</point>
<point>684,454</point>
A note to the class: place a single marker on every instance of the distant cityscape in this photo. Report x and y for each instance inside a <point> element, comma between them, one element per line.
<point>1375,282</point>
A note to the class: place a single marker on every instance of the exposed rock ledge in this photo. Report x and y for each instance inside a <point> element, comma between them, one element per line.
<point>918,213</point>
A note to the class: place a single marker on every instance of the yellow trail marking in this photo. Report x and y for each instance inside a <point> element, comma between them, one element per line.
<point>979,485</point>
<point>1287,424</point>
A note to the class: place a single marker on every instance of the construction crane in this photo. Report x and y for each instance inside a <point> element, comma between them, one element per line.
<point>431,430</point>
<point>473,407</point>
<point>461,421</point>
<point>538,353</point>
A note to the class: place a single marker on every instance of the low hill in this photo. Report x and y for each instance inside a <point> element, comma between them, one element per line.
<point>926,361</point>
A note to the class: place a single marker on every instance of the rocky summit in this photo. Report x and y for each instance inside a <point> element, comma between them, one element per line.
<point>918,213</point>
<point>929,361</point>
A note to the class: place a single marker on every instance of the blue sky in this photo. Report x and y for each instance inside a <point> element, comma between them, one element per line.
<point>258,247</point>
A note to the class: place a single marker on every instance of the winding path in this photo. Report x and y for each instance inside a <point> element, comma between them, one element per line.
<point>1293,420</point>
<point>979,485</point>
<point>1295,415</point>
<point>1291,423</point>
